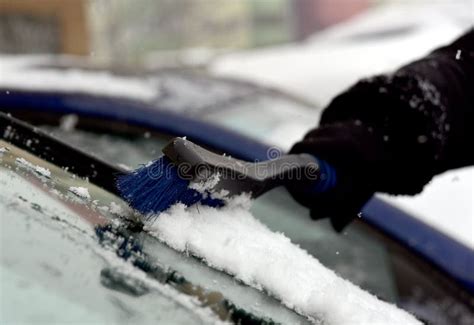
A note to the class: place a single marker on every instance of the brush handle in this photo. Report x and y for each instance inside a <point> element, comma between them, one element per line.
<point>308,172</point>
<point>237,176</point>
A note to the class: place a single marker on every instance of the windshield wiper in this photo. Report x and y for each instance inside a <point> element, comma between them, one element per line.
<point>53,150</point>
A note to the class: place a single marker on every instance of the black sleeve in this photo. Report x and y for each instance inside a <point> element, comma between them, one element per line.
<point>421,115</point>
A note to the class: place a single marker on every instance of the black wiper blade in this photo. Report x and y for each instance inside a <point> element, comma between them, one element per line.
<point>55,151</point>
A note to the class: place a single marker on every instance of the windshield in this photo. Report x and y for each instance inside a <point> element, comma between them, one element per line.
<point>359,254</point>
<point>271,119</point>
<point>65,242</point>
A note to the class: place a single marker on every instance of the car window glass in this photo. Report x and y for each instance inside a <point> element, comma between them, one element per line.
<point>195,94</point>
<point>128,153</point>
<point>63,224</point>
<point>51,265</point>
<point>271,119</point>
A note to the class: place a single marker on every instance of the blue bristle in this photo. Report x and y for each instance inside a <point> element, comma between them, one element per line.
<point>153,188</point>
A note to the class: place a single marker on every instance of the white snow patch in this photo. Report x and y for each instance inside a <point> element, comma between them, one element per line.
<point>77,81</point>
<point>80,191</point>
<point>103,208</point>
<point>125,167</point>
<point>55,192</point>
<point>115,208</point>
<point>43,171</point>
<point>446,204</point>
<point>231,239</point>
<point>207,184</point>
<point>3,150</point>
<point>22,162</point>
<point>11,62</point>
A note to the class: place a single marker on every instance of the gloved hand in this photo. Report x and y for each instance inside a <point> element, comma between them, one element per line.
<point>376,141</point>
<point>351,149</point>
<point>370,134</point>
<point>392,133</point>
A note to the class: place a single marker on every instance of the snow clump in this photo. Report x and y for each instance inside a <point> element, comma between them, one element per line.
<point>82,192</point>
<point>231,239</point>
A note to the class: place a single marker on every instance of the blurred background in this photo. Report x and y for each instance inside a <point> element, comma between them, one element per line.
<point>168,32</point>
<point>163,32</point>
<point>295,45</point>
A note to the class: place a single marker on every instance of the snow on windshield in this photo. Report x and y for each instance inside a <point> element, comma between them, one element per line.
<point>232,240</point>
<point>54,259</point>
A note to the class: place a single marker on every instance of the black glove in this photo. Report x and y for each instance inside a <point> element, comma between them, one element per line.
<point>376,141</point>
<point>350,148</point>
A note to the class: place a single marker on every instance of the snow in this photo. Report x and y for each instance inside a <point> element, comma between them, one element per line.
<point>115,208</point>
<point>446,204</point>
<point>22,76</point>
<point>207,184</point>
<point>125,167</point>
<point>22,61</point>
<point>80,191</point>
<point>331,61</point>
<point>422,139</point>
<point>41,171</point>
<point>232,240</point>
<point>24,163</point>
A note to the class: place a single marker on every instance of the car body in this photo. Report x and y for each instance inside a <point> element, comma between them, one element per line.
<point>387,252</point>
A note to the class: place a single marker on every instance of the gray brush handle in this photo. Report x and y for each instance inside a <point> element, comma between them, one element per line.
<point>238,176</point>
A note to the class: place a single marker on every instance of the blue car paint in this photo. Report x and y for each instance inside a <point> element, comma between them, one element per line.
<point>449,255</point>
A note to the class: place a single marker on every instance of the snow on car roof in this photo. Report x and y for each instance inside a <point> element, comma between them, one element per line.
<point>233,240</point>
<point>19,72</point>
<point>331,61</point>
<point>446,204</point>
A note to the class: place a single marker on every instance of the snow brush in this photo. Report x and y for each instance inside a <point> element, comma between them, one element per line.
<point>189,174</point>
<point>186,173</point>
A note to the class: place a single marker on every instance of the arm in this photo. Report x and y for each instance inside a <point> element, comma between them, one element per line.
<point>392,133</point>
